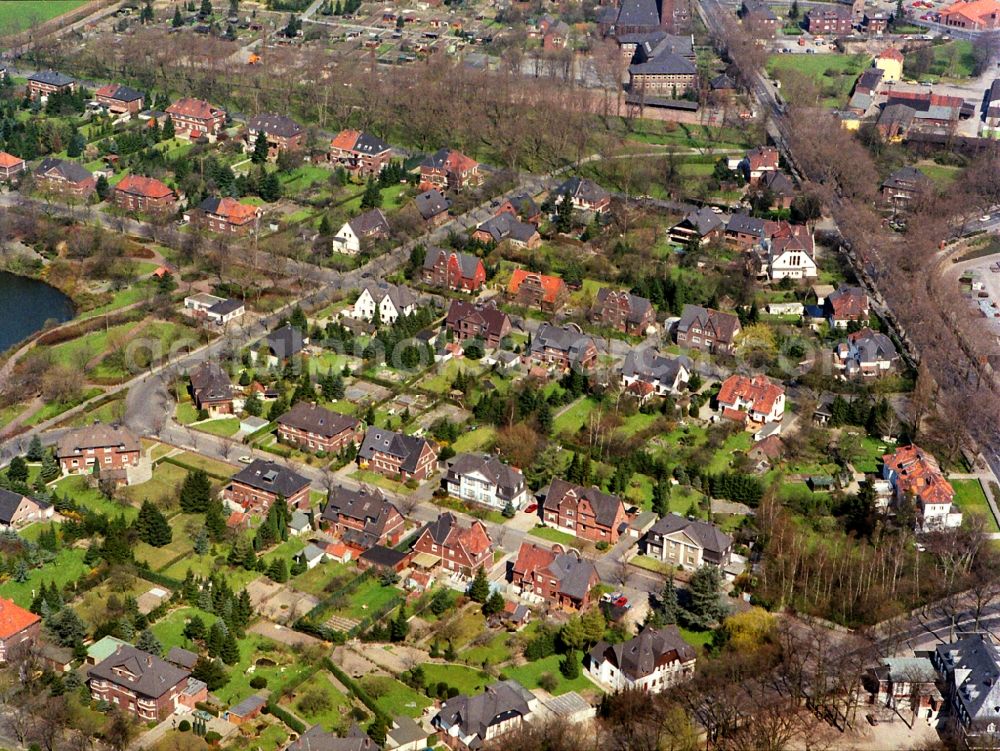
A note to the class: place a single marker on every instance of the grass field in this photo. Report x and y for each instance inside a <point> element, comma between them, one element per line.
<point>162,489</point>
<point>395,698</point>
<point>315,580</point>
<point>333,713</point>
<point>970,498</point>
<point>574,417</point>
<point>226,427</point>
<point>76,487</point>
<point>475,440</point>
<point>833,74</point>
<point>554,535</point>
<point>530,674</point>
<point>67,566</point>
<point>18,15</point>
<point>466,680</point>
<point>54,409</point>
<point>367,598</point>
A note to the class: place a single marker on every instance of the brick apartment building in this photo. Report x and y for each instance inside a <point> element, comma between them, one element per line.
<point>448,169</point>
<point>558,577</point>
<point>584,512</point>
<point>533,290</point>
<point>19,628</point>
<point>707,330</point>
<point>145,195</point>
<point>461,549</point>
<point>120,99</point>
<point>392,454</point>
<point>282,133</point>
<point>47,82</point>
<point>211,389</point>
<point>453,270</point>
<point>623,311</point>
<point>193,118</point>
<point>255,487</point>
<point>484,321</point>
<point>228,216</point>
<point>109,447</point>
<point>359,152</point>
<point>144,685</point>
<point>363,518</point>
<point>65,178</point>
<point>314,428</point>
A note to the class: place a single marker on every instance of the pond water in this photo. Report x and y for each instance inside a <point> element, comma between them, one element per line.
<point>25,305</point>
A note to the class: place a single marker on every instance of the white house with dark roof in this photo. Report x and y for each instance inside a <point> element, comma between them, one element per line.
<point>584,194</point>
<point>483,478</point>
<point>662,373</point>
<point>369,226</point>
<point>653,661</point>
<point>865,354</point>
<point>391,301</point>
<point>691,543</point>
<point>471,722</point>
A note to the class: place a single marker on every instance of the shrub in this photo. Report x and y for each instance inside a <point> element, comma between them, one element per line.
<point>211,737</point>
<point>548,681</point>
<point>184,726</point>
<point>258,681</point>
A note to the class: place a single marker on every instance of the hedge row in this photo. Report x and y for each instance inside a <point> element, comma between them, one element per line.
<point>178,463</point>
<point>351,685</point>
<point>286,717</point>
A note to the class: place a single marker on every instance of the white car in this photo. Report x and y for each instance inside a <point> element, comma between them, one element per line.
<point>245,459</point>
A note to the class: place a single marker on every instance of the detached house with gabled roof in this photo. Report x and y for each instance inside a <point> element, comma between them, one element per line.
<point>433,205</point>
<point>846,304</point>
<point>144,685</point>
<point>584,512</point>
<point>584,194</point>
<point>759,161</point>
<point>19,629</point>
<point>281,133</point>
<point>865,354</point>
<point>318,739</point>
<point>560,578</point>
<point>700,226</point>
<point>11,166</point>
<point>391,454</point>
<point>484,479</point>
<point>65,178</point>
<point>623,311</point>
<point>708,330</point>
<point>258,485</point>
<point>453,270</point>
<point>109,447</point>
<point>505,227</point>
<point>915,477</point>
<point>523,207</point>
<point>790,254</point>
<point>460,549</point>
<point>969,667</point>
<point>362,518</point>
<point>653,661</point>
<point>470,723</point>
<point>563,347</point>
<point>691,543</point>
<point>360,152</point>
<point>364,229</point>
<point>211,389</point>
<point>120,99</point>
<point>662,373</point>
<point>447,169</point>
<point>228,216</point>
<point>755,398</point>
<point>315,428</point>
<point>144,195</point>
<point>477,321</point>
<point>534,290</point>
<point>17,510</point>
<point>45,82</point>
<point>193,118</point>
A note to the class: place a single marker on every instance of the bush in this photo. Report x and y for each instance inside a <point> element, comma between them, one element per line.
<point>184,726</point>
<point>548,681</point>
<point>211,737</point>
<point>258,681</point>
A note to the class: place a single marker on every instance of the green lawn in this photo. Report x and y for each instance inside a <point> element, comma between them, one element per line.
<point>650,564</point>
<point>76,352</point>
<point>366,599</point>
<point>204,565</point>
<point>440,382</point>
<point>954,59</point>
<point>162,489</point>
<point>871,457</point>
<point>67,566</point>
<point>121,299</point>
<point>696,639</point>
<point>970,498</point>
<point>529,675</point>
<point>574,417</point>
<point>637,423</point>
<point>493,652</point>
<point>833,74</point>
<point>315,580</point>
<point>54,409</point>
<point>335,716</point>
<point>186,413</point>
<point>554,535</point>
<point>475,440</point>
<point>18,15</point>
<point>738,443</point>
<point>374,478</point>
<point>395,698</point>
<point>77,488</point>
<point>226,427</point>
<point>7,414</point>
<point>466,680</point>
<point>212,466</point>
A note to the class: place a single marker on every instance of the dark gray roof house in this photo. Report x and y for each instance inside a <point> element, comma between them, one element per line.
<point>605,505</point>
<point>582,189</point>
<point>370,224</point>
<point>664,373</point>
<point>211,383</point>
<point>744,224</point>
<point>971,668</point>
<point>469,718</point>
<point>637,14</point>
<point>317,739</point>
<point>286,342</point>
<point>906,178</point>
<point>365,508</point>
<point>225,307</point>
<point>508,480</point>
<point>778,183</point>
<point>574,573</point>
<point>71,171</point>
<point>274,125</point>
<point>432,203</point>
<point>715,544</point>
<point>405,447</point>
<point>271,477</point>
<point>52,78</point>
<point>568,339</point>
<point>311,418</point>
<point>667,64</point>
<point>703,221</point>
<point>722,82</point>
<point>640,656</point>
<point>145,674</point>
<point>506,227</point>
<point>10,502</point>
<point>182,658</point>
<point>467,262</point>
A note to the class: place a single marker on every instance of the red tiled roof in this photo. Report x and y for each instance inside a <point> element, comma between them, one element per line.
<point>9,160</point>
<point>550,284</point>
<point>149,187</point>
<point>759,391</point>
<point>976,10</point>
<point>234,211</point>
<point>891,54</point>
<point>14,619</point>
<point>531,558</point>
<point>735,415</point>
<point>235,519</point>
<point>345,140</point>
<point>459,162</point>
<point>473,538</point>
<point>918,473</point>
<point>190,107</point>
<point>107,90</point>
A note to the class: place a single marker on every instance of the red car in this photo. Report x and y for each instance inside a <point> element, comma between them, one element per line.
<point>531,508</point>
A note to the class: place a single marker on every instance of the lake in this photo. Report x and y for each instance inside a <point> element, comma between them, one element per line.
<point>25,305</point>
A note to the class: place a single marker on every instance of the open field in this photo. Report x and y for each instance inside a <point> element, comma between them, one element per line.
<point>970,499</point>
<point>18,15</point>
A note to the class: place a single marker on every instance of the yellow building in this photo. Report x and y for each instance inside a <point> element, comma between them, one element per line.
<point>890,62</point>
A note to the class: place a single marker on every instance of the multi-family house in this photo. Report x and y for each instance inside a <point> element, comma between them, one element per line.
<point>483,321</point>
<point>360,152</point>
<point>623,311</point>
<point>144,195</point>
<point>563,347</point>
<point>470,723</point>
<point>363,229</point>
<point>484,479</point>
<point>744,231</point>
<point>759,19</point>
<point>461,549</point>
<point>584,194</point>
<point>362,518</point>
<point>392,302</point>
<point>228,216</point>
<point>754,398</point>
<point>281,345</point>
<point>663,374</point>
<point>758,161</point>
<point>506,228</point>
<point>832,21</point>
<point>534,290</point>
<point>708,330</point>
<point>915,477</point>
<point>315,428</point>
<point>211,389</point>
<point>218,310</point>
<point>318,739</point>
<point>523,207</point>
<point>45,82</point>
<point>259,484</point>
<point>691,543</point>
<point>19,629</point>
<point>119,99</point>
<point>584,512</point>
<point>280,132</point>
<point>779,187</point>
<point>790,254</point>
<point>17,510</point>
<point>447,169</point>
<point>969,667</point>
<point>666,75</point>
<point>98,447</point>
<point>700,226</point>
<point>846,304</point>
<point>65,178</point>
<point>653,661</point>
<point>453,269</point>
<point>11,166</point>
<point>144,685</point>
<point>396,454</point>
<point>194,118</point>
<point>558,577</point>
<point>904,185</point>
<point>865,354</point>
